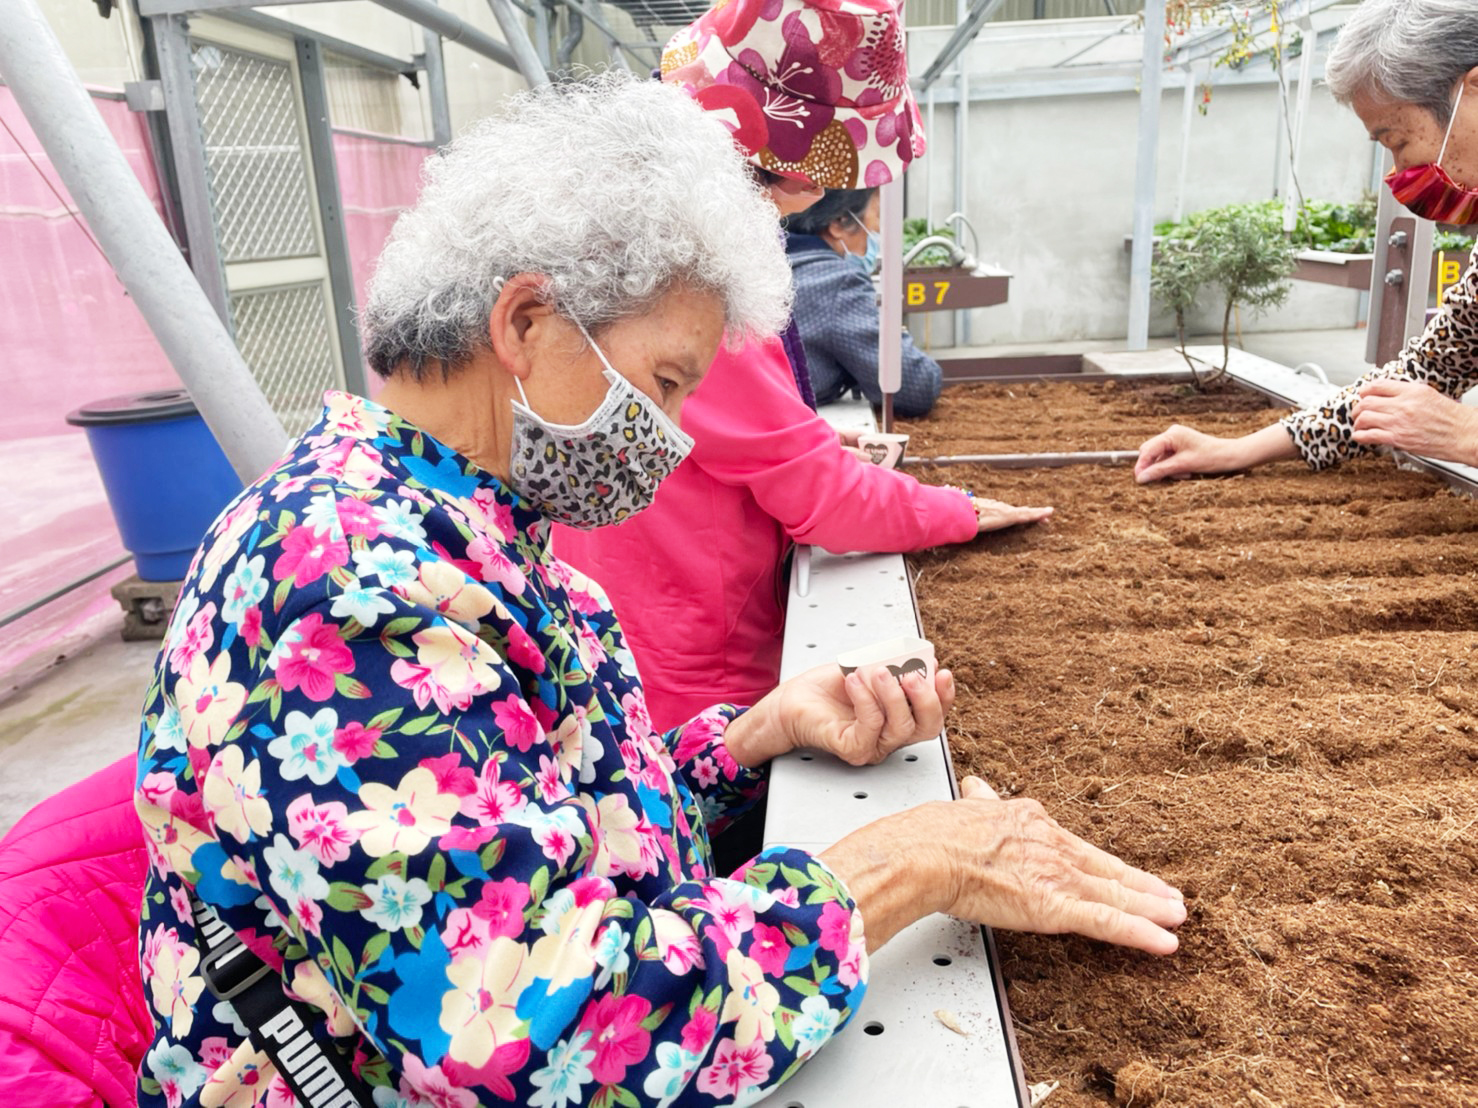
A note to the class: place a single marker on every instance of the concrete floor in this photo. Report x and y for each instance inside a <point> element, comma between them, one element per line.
<point>82,713</point>
<point>79,716</point>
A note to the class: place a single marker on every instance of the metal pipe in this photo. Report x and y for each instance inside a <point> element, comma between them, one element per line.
<point>615,40</point>
<point>517,36</point>
<point>1300,112</point>
<point>436,94</point>
<point>250,17</point>
<point>1187,114</point>
<point>957,253</point>
<point>1033,461</point>
<point>1144,175</point>
<point>890,307</point>
<point>136,243</point>
<point>573,34</point>
<point>452,29</point>
<point>56,594</point>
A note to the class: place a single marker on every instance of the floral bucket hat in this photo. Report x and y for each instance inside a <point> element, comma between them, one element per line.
<point>814,89</point>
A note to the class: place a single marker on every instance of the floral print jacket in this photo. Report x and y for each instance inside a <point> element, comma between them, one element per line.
<point>1445,356</point>
<point>404,753</point>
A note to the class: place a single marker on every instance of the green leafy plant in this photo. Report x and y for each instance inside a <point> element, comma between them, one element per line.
<point>1239,249</point>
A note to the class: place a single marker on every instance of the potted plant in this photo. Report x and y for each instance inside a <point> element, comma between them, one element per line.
<point>1239,249</point>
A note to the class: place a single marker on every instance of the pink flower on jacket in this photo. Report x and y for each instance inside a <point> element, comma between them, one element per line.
<point>494,565</point>
<point>698,1031</point>
<point>307,554</point>
<point>432,1086</point>
<point>321,829</point>
<point>616,1035</point>
<point>198,636</point>
<point>769,949</point>
<point>357,517</point>
<point>734,1069</point>
<point>523,651</point>
<point>731,917</point>
<point>451,775</point>
<point>517,720</point>
<point>502,905</point>
<point>836,928</point>
<point>493,800</point>
<point>251,626</point>
<point>355,741</point>
<point>312,654</point>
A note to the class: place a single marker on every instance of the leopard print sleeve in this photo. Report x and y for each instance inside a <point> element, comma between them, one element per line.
<point>1445,356</point>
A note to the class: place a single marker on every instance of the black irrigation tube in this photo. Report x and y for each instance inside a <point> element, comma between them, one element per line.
<point>56,594</point>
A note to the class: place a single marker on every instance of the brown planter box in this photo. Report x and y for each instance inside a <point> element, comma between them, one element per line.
<point>938,289</point>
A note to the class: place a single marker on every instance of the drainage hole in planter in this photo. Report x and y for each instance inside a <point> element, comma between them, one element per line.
<point>861,796</point>
<point>873,1028</point>
<point>942,959</point>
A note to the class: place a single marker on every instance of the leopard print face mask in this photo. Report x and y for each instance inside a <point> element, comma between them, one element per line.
<point>604,470</point>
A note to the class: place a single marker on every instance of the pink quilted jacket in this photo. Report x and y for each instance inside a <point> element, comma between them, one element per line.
<point>74,1023</point>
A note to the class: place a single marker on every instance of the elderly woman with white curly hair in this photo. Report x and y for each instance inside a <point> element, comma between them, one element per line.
<point>414,838</point>
<point>1409,69</point>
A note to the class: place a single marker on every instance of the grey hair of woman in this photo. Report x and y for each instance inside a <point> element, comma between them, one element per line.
<point>615,189</point>
<point>1405,50</point>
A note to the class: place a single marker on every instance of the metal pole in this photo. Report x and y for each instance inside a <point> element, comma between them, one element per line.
<point>136,243</point>
<point>542,19</point>
<point>1301,111</point>
<point>441,109</point>
<point>1187,116</point>
<point>890,310</point>
<point>962,135</point>
<point>1144,176</point>
<point>929,163</point>
<point>331,210</point>
<point>186,142</point>
<point>452,29</point>
<point>517,36</point>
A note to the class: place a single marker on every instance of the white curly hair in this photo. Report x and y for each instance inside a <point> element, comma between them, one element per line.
<point>613,188</point>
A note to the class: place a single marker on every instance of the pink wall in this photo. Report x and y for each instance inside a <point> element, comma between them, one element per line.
<point>69,334</point>
<point>378,179</point>
<point>68,331</point>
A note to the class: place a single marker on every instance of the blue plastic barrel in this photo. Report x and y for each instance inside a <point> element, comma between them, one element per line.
<point>164,473</point>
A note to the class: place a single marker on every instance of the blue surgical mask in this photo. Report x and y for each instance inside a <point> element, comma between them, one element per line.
<point>867,261</point>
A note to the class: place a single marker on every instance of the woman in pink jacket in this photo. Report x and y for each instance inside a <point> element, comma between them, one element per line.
<point>697,577</point>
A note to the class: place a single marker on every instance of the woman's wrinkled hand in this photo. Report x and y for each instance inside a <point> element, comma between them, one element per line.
<point>865,716</point>
<point>1180,452</point>
<point>993,515</point>
<point>1413,416</point>
<point>1015,867</point>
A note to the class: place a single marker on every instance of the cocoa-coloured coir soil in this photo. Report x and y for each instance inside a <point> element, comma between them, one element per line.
<point>1262,688</point>
<point>1052,416</point>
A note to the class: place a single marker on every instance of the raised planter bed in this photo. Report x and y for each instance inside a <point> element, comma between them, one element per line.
<point>1261,687</point>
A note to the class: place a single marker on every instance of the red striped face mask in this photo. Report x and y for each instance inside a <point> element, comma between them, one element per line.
<point>1427,190</point>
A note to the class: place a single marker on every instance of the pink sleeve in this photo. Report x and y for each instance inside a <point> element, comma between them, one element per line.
<point>752,429</point>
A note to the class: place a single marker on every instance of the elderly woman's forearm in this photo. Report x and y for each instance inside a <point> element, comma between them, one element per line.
<point>896,870</point>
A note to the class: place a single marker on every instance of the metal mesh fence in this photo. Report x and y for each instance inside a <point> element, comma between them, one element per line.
<point>283,336</point>
<point>254,157</point>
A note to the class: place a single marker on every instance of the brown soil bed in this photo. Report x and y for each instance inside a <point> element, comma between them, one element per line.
<point>1048,416</point>
<point>1262,688</point>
